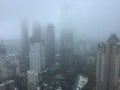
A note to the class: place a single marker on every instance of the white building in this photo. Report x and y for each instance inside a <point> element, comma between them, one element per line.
<point>81,82</point>
<point>37,57</point>
<point>37,64</point>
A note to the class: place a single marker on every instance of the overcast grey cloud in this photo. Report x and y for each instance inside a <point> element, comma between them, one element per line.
<point>90,18</point>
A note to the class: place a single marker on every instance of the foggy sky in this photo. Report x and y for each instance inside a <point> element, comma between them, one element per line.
<point>90,19</point>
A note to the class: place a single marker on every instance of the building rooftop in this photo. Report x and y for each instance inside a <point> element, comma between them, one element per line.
<point>113,39</point>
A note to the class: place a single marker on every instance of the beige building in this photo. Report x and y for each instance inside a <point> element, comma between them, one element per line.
<point>108,64</point>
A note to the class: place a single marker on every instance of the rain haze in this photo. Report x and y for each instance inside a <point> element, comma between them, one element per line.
<point>89,18</point>
<point>59,44</point>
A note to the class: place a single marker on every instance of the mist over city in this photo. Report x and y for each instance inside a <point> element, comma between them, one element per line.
<point>59,45</point>
<point>88,17</point>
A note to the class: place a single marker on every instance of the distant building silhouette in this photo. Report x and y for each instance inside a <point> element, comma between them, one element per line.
<point>36,32</point>
<point>3,63</point>
<point>50,45</point>
<point>66,48</point>
<point>108,64</point>
<point>81,48</point>
<point>25,44</point>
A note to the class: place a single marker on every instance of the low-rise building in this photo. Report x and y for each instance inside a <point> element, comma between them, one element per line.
<point>7,85</point>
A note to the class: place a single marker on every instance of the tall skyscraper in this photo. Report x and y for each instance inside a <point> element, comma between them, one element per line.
<point>50,45</point>
<point>25,45</point>
<point>66,48</point>
<point>108,64</point>
<point>37,60</point>
<point>66,37</point>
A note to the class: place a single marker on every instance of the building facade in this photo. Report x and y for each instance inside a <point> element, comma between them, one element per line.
<point>50,45</point>
<point>25,45</point>
<point>108,64</point>
<point>37,61</point>
<point>66,48</point>
<point>36,32</point>
<point>81,48</point>
<point>3,63</point>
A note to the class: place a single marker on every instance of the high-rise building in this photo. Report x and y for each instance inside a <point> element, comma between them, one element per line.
<point>3,63</point>
<point>108,64</point>
<point>25,45</point>
<point>66,48</point>
<point>36,32</point>
<point>37,58</point>
<point>37,61</point>
<point>50,45</point>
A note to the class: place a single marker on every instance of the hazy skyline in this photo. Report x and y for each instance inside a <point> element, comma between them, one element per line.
<point>90,18</point>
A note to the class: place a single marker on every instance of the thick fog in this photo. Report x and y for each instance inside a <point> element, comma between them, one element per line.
<point>89,19</point>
